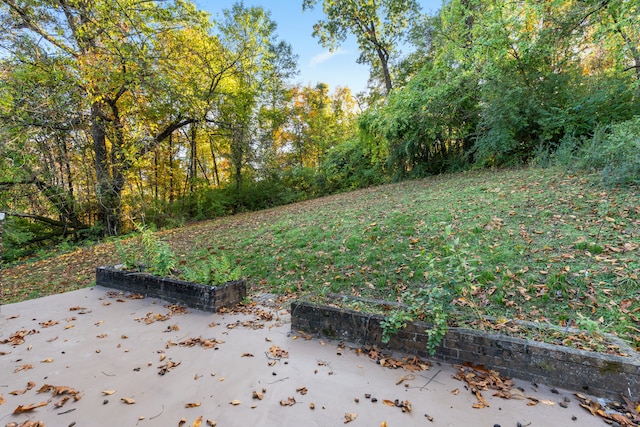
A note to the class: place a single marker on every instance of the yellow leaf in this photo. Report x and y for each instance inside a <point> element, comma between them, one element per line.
<point>197,422</point>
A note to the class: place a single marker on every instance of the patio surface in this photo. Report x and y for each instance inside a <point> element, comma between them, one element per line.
<point>102,349</point>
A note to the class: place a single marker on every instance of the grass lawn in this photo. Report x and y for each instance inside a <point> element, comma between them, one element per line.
<point>533,244</point>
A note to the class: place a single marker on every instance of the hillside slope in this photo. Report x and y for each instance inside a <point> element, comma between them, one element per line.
<point>534,244</point>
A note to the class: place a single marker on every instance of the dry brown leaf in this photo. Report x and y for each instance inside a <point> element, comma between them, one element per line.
<point>23,368</point>
<point>192,405</point>
<point>212,423</point>
<point>302,390</point>
<point>182,422</point>
<point>128,400</point>
<point>62,389</point>
<point>197,422</point>
<point>108,392</point>
<point>26,408</point>
<point>289,402</point>
<point>235,402</point>
<point>389,402</point>
<point>258,395</point>
<point>247,355</point>
<point>2,399</point>
<point>350,416</point>
<point>455,392</point>
<point>47,360</point>
<point>61,402</point>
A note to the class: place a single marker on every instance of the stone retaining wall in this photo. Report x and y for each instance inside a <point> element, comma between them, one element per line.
<point>602,375</point>
<point>193,295</point>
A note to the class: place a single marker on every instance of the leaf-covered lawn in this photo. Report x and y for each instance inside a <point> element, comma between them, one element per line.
<point>545,245</point>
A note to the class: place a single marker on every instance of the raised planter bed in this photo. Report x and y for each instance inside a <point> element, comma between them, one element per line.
<point>193,295</point>
<point>602,375</point>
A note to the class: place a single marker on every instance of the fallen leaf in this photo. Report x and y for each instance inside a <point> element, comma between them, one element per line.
<point>258,395</point>
<point>289,402</point>
<point>302,390</point>
<point>182,422</point>
<point>2,399</point>
<point>350,416</point>
<point>235,402</point>
<point>108,392</point>
<point>388,402</point>
<point>23,368</point>
<point>62,401</point>
<point>49,323</point>
<point>455,392</point>
<point>128,400</point>
<point>197,422</point>
<point>48,360</point>
<point>20,409</point>
<point>247,355</point>
<point>212,423</point>
<point>192,405</point>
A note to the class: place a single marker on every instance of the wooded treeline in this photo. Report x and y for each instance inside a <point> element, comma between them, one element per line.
<point>121,113</point>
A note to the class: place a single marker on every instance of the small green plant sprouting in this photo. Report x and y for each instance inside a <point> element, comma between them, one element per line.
<point>148,253</point>
<point>450,273</point>
<point>151,254</point>
<point>429,304</point>
<point>212,271</point>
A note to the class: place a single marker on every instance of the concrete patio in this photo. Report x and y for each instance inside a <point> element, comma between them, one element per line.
<point>124,361</point>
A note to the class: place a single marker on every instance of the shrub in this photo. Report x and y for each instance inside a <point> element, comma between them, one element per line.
<point>615,151</point>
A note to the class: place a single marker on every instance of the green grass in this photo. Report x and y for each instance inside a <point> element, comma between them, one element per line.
<point>545,246</point>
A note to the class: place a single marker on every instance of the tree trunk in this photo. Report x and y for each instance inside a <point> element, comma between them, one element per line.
<point>108,189</point>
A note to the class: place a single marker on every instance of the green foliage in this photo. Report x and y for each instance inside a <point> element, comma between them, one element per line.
<point>16,233</point>
<point>147,252</point>
<point>211,270</point>
<point>451,272</point>
<point>426,125</point>
<point>350,166</point>
<point>615,151</point>
<point>379,28</point>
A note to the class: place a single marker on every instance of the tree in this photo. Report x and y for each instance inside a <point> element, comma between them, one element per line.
<point>261,65</point>
<point>115,69</point>
<point>378,25</point>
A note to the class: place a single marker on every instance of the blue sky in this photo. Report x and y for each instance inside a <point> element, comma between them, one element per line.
<point>315,63</point>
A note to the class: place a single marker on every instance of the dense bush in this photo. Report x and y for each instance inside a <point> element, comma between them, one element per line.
<point>615,151</point>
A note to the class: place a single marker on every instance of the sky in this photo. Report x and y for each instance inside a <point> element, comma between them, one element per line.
<point>315,63</point>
